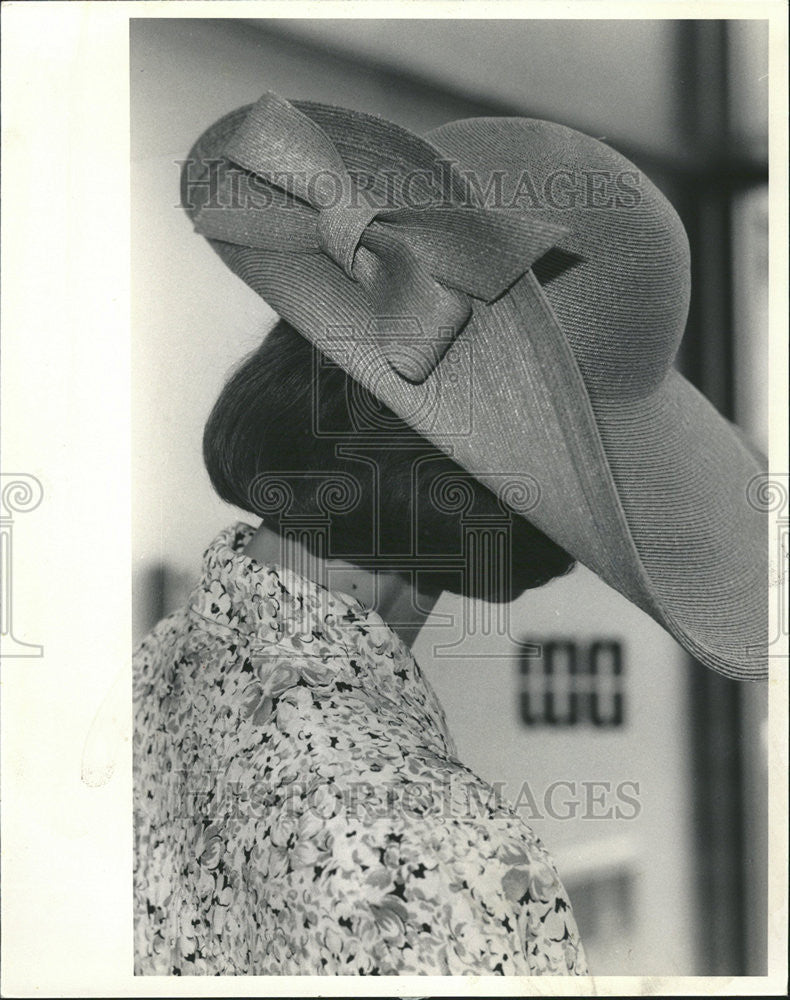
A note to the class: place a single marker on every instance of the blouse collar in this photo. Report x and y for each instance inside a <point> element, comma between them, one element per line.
<point>272,603</point>
<point>272,609</point>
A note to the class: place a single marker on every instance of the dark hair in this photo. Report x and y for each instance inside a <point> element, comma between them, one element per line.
<point>292,436</point>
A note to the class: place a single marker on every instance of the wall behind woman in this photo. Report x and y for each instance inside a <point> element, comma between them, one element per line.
<point>613,804</point>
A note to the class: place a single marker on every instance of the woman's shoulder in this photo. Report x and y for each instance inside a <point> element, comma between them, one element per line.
<point>160,640</point>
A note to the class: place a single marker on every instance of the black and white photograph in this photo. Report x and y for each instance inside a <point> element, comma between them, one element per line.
<point>394,454</point>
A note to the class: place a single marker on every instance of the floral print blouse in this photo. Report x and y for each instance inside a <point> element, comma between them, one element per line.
<point>299,806</point>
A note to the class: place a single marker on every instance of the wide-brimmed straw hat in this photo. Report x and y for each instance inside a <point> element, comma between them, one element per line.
<point>516,291</point>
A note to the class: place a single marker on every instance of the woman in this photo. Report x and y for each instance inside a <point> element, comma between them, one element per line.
<point>299,805</point>
<point>332,827</point>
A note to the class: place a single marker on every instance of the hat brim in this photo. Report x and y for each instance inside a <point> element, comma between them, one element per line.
<point>653,495</point>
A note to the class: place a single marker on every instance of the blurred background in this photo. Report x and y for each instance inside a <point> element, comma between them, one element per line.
<point>654,805</point>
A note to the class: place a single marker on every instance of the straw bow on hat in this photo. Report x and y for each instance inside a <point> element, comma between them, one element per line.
<point>534,335</point>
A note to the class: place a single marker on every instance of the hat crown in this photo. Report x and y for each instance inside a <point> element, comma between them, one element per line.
<point>619,282</point>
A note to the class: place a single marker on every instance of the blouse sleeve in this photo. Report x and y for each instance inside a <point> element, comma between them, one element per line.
<point>434,898</point>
